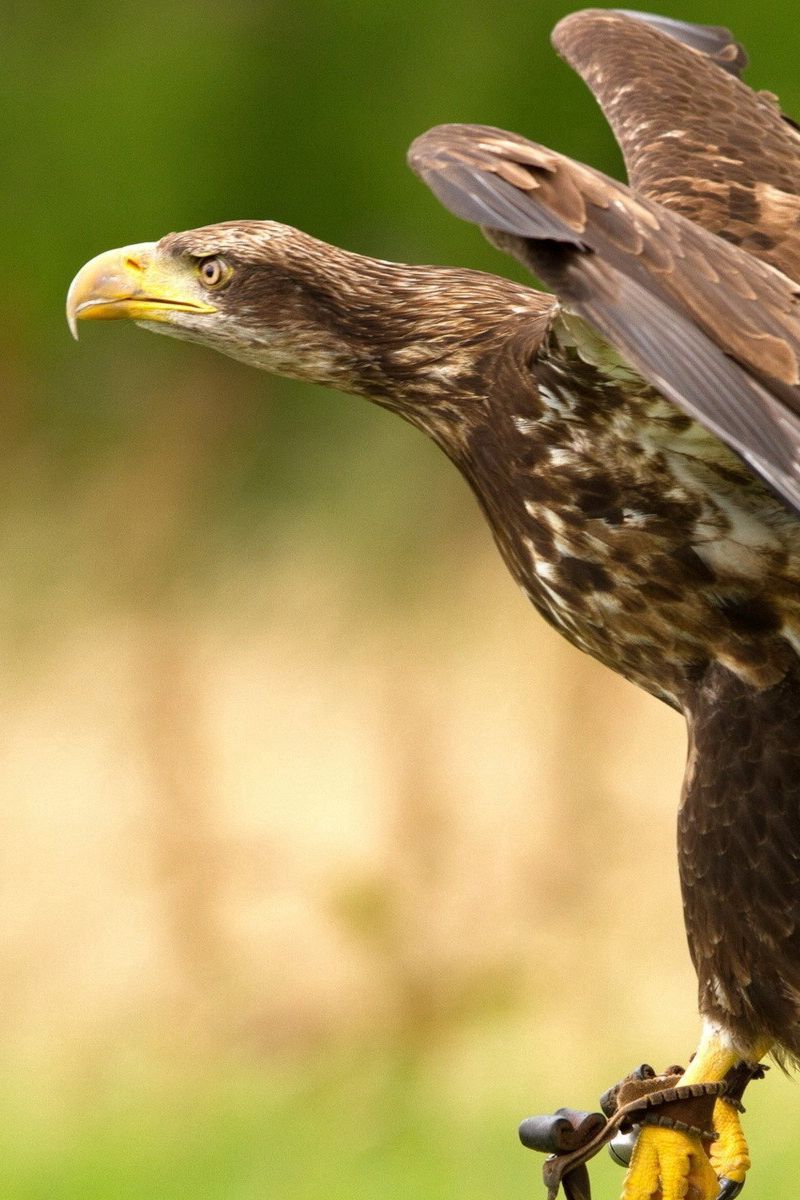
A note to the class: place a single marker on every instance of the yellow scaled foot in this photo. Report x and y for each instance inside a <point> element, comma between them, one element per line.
<point>729,1154</point>
<point>667,1165</point>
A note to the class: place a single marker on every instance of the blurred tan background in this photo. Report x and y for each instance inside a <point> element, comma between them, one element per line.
<point>323,859</point>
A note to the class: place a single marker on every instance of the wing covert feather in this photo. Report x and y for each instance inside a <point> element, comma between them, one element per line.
<point>713,328</point>
<point>694,136</point>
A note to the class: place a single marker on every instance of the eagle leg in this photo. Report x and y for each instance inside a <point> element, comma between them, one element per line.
<point>671,1165</point>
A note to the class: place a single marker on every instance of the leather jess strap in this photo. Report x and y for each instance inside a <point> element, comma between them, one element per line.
<point>571,1138</point>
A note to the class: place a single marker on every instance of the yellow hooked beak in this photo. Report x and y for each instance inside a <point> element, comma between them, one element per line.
<point>138,282</point>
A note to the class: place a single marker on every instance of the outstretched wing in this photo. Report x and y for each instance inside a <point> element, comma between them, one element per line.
<point>714,329</point>
<point>694,137</point>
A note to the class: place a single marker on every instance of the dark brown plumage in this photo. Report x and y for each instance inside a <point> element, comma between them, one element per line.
<point>634,441</point>
<point>705,594</point>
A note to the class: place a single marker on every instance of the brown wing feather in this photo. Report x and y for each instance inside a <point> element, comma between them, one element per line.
<point>694,137</point>
<point>714,41</point>
<point>709,325</point>
<point>739,853</point>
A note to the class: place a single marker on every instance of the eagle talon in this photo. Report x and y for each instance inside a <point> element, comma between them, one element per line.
<point>728,1153</point>
<point>729,1188</point>
<point>669,1165</point>
<point>659,1125</point>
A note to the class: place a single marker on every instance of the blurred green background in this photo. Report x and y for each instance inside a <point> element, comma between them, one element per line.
<point>323,861</point>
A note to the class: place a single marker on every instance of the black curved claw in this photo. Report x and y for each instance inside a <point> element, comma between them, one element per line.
<point>729,1188</point>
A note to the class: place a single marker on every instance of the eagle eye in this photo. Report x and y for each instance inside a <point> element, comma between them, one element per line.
<point>214,272</point>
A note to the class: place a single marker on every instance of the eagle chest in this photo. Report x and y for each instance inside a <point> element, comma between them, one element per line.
<point>613,512</point>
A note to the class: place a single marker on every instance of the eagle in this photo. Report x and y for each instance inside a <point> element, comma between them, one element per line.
<point>632,436</point>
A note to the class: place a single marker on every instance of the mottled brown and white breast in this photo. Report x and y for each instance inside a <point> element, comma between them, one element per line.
<point>637,533</point>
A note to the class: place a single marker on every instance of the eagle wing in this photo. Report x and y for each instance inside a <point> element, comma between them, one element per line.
<point>694,136</point>
<point>709,325</point>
